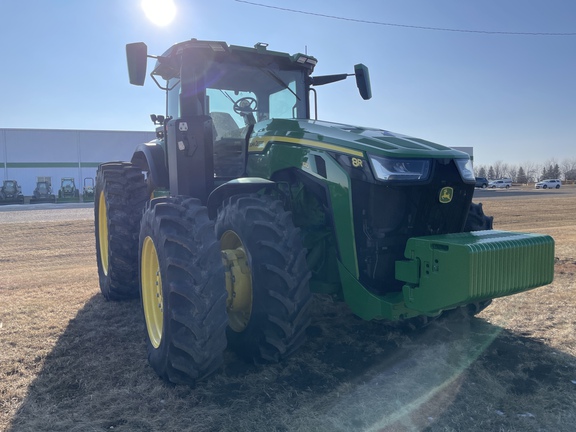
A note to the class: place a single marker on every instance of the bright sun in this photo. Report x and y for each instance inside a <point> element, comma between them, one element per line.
<point>160,12</point>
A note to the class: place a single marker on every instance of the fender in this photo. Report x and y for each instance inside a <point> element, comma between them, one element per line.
<point>150,157</point>
<point>234,187</point>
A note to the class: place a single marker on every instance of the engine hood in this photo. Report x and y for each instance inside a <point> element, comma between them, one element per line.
<point>346,139</point>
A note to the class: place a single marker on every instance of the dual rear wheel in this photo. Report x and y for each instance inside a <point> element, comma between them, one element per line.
<point>241,281</point>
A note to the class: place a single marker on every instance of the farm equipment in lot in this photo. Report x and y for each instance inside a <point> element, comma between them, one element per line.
<point>88,190</point>
<point>11,193</point>
<point>68,191</point>
<point>43,193</point>
<point>243,207</point>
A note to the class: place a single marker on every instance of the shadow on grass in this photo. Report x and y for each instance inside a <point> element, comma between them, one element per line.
<point>350,376</point>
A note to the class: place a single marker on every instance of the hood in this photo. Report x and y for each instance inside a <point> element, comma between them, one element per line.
<point>347,139</point>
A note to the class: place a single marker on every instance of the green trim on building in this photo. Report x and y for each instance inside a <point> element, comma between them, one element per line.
<point>52,164</point>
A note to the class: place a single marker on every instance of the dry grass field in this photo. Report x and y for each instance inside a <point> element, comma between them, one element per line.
<point>71,361</point>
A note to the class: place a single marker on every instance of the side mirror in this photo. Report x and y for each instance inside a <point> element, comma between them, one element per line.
<point>363,81</point>
<point>137,56</point>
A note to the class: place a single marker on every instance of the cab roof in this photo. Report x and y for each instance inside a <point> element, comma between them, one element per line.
<point>167,65</point>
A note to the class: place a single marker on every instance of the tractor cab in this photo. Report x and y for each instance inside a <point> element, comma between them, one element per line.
<point>42,192</point>
<point>10,192</point>
<point>10,187</point>
<point>43,187</point>
<point>216,95</point>
<point>88,190</point>
<point>68,190</point>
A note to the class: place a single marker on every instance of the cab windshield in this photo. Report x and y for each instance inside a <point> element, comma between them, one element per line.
<point>237,95</point>
<point>10,186</point>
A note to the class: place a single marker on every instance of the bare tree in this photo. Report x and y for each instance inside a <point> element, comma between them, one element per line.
<point>480,170</point>
<point>531,170</point>
<point>498,169</point>
<point>550,169</point>
<point>512,172</point>
<point>568,167</point>
<point>570,175</point>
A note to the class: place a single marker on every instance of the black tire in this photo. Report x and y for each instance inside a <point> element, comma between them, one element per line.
<point>275,324</point>
<point>120,196</point>
<point>477,220</point>
<point>484,186</point>
<point>557,186</point>
<point>545,187</point>
<point>183,290</point>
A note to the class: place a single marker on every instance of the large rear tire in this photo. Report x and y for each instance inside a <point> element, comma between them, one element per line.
<point>267,278</point>
<point>120,196</point>
<point>182,289</point>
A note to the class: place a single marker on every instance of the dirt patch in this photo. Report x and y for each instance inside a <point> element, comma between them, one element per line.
<point>71,361</point>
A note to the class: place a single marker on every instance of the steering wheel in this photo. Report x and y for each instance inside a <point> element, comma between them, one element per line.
<point>245,105</point>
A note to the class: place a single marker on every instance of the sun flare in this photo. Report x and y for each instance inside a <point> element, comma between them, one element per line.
<point>160,12</point>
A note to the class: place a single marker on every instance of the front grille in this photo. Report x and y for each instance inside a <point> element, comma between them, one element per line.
<point>387,215</point>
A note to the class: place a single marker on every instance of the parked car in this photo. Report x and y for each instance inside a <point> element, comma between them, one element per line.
<point>481,182</point>
<point>500,184</point>
<point>549,184</point>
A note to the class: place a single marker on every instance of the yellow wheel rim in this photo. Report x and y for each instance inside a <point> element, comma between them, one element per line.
<point>152,299</point>
<point>238,281</point>
<point>103,232</point>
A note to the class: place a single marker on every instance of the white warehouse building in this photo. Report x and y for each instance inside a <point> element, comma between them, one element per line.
<point>30,155</point>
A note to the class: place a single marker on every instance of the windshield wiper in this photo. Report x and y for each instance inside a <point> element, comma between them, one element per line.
<point>279,81</point>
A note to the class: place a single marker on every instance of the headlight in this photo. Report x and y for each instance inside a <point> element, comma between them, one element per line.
<point>391,169</point>
<point>466,170</point>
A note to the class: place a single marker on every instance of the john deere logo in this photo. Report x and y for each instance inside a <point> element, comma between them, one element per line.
<point>446,194</point>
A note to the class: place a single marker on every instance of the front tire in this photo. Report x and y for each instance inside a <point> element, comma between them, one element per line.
<point>120,193</point>
<point>182,289</point>
<point>267,278</point>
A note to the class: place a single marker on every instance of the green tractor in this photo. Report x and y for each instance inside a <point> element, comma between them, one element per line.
<point>68,191</point>
<point>11,193</point>
<point>88,190</point>
<point>244,206</point>
<point>43,193</point>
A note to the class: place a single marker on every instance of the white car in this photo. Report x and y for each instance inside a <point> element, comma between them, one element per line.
<point>549,184</point>
<point>501,184</point>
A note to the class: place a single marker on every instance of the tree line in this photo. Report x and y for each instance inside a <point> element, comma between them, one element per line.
<point>529,172</point>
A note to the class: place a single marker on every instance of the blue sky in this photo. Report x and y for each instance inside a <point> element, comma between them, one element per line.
<point>511,97</point>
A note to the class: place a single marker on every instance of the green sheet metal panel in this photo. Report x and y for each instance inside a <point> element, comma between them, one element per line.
<point>455,269</point>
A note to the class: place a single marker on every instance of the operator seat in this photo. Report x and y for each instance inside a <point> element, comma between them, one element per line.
<point>224,125</point>
<point>229,146</point>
